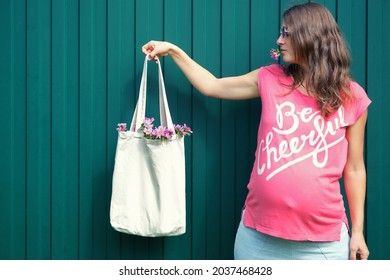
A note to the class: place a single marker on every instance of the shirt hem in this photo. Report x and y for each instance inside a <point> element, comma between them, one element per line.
<point>295,237</point>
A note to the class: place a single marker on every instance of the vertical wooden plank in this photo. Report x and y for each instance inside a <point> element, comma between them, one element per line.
<point>234,119</point>
<point>353,23</point>
<point>199,53</point>
<point>93,189</point>
<point>378,136</point>
<point>212,17</point>
<point>121,90</point>
<point>99,140</point>
<point>39,129</point>
<point>65,118</point>
<point>384,227</point>
<point>86,88</point>
<point>114,108</point>
<point>206,141</point>
<point>228,125</point>
<point>331,5</point>
<point>6,119</point>
<point>177,29</point>
<point>286,4</point>
<point>13,133</point>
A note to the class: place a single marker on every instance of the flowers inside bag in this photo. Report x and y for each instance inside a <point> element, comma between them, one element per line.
<point>148,188</point>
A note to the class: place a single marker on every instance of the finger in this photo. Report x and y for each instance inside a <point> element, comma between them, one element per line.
<point>352,255</point>
<point>358,256</point>
<point>364,256</point>
<point>155,58</point>
<point>148,47</point>
<point>145,51</point>
<point>148,54</point>
<point>153,55</point>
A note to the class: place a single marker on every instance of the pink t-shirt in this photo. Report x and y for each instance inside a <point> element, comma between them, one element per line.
<point>294,190</point>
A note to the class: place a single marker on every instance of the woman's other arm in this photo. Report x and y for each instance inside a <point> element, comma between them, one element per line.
<point>355,186</point>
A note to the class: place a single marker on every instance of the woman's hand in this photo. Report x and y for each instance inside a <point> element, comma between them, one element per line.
<point>358,247</point>
<point>155,49</point>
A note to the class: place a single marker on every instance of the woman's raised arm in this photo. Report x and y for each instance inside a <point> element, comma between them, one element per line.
<point>238,87</point>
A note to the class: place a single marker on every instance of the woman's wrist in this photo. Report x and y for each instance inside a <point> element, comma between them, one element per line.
<point>357,231</point>
<point>173,50</point>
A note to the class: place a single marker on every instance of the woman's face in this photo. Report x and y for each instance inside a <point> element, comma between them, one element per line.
<point>285,47</point>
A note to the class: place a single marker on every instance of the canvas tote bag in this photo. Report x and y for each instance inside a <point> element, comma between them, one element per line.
<point>148,187</point>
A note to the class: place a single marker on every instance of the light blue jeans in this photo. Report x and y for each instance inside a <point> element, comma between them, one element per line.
<point>253,245</point>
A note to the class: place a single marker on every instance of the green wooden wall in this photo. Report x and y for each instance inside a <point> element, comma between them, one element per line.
<point>70,71</point>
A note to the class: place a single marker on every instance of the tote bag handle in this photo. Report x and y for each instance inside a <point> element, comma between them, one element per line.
<point>139,112</point>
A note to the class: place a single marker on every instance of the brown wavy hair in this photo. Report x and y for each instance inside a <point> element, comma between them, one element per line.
<point>319,45</point>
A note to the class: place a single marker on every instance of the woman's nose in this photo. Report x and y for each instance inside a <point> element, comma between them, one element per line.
<point>280,40</point>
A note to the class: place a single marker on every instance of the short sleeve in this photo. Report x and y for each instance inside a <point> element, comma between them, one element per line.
<point>359,104</point>
<point>270,78</point>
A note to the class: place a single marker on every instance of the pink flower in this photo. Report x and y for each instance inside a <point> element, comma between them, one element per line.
<point>187,129</point>
<point>179,130</point>
<point>183,130</point>
<point>148,122</point>
<point>168,133</point>
<point>275,53</point>
<point>148,130</point>
<point>121,127</point>
<point>159,132</point>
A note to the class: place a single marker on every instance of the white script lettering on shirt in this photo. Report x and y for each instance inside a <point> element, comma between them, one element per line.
<point>274,152</point>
